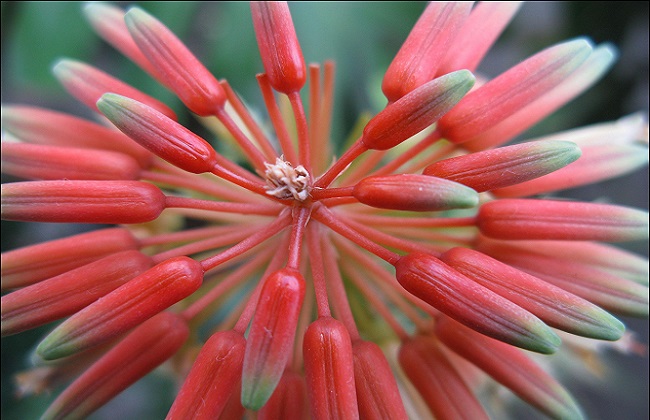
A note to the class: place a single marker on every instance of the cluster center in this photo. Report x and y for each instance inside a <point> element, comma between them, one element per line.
<point>286,182</point>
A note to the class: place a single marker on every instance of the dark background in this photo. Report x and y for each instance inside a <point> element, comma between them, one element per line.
<point>362,38</point>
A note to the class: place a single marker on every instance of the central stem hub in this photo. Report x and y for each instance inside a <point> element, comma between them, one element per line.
<point>286,182</point>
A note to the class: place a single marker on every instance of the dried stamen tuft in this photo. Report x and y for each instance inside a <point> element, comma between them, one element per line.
<point>285,182</point>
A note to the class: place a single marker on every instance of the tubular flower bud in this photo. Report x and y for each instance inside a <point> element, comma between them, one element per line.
<point>414,193</point>
<point>149,345</point>
<point>88,84</point>
<point>597,163</point>
<point>549,219</point>
<point>82,201</point>
<point>271,337</point>
<point>41,126</point>
<point>35,161</point>
<point>159,134</point>
<point>124,308</point>
<point>471,304</point>
<point>327,350</point>
<point>496,100</point>
<point>24,266</point>
<point>213,378</point>
<point>553,305</point>
<point>279,47</point>
<point>416,111</point>
<point>178,68</point>
<point>289,400</point>
<point>590,71</point>
<point>377,394</point>
<point>69,292</point>
<point>437,381</point>
<point>615,294</point>
<point>108,22</point>
<point>510,367</point>
<point>419,57</point>
<point>498,168</point>
<point>478,33</point>
<point>602,257</point>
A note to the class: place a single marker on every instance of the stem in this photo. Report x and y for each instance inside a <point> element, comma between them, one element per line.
<point>321,142</point>
<point>340,297</point>
<point>250,150</point>
<point>320,193</point>
<point>318,270</point>
<point>221,206</point>
<point>249,122</point>
<point>303,130</point>
<point>409,154</point>
<point>300,217</point>
<point>326,217</point>
<point>251,304</point>
<point>211,243</point>
<point>416,221</point>
<point>314,111</point>
<point>255,239</point>
<point>280,127</point>
<point>187,235</point>
<point>339,166</point>
<point>233,279</point>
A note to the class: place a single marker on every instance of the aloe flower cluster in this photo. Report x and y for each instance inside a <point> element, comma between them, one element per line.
<point>403,276</point>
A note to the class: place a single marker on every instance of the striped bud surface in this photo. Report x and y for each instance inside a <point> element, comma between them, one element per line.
<point>414,192</point>
<point>377,394</point>
<point>36,161</point>
<point>24,266</point>
<point>416,111</point>
<point>510,367</point>
<point>509,92</point>
<point>271,337</point>
<point>177,67</point>
<point>437,381</point>
<point>556,219</point>
<point>69,292</point>
<point>162,136</point>
<point>498,168</point>
<point>553,305</point>
<point>110,202</point>
<point>124,308</point>
<point>88,84</point>
<point>329,370</point>
<point>43,126</point>
<point>476,306</point>
<point>213,378</point>
<point>279,48</point>
<point>140,352</point>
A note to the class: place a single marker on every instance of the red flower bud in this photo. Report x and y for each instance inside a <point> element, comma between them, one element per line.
<point>329,370</point>
<point>42,126</point>
<point>289,400</point>
<point>414,192</point>
<point>271,338</point>
<point>175,65</point>
<point>124,308</point>
<point>136,355</point>
<point>279,47</point>
<point>35,161</point>
<point>551,219</point>
<point>110,202</point>
<point>212,380</point>
<point>468,302</point>
<point>416,111</point>
<point>510,367</point>
<point>69,292</point>
<point>88,84</point>
<point>377,394</point>
<point>24,266</point>
<point>498,168</point>
<point>434,376</point>
<point>159,134</point>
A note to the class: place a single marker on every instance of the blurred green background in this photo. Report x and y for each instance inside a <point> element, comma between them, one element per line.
<point>362,37</point>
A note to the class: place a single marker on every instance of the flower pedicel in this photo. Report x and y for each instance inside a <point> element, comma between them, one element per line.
<point>380,284</point>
